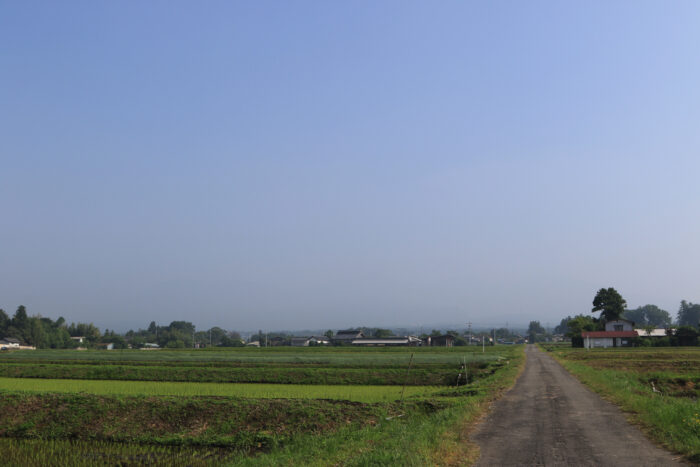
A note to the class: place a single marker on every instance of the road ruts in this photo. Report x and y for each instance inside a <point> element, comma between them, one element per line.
<point>549,418</point>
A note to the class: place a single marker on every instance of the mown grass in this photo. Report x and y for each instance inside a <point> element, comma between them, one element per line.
<point>671,418</point>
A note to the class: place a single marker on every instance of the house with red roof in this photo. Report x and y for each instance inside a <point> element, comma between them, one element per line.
<point>618,333</point>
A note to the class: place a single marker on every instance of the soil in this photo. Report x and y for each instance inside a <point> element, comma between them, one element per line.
<point>550,418</point>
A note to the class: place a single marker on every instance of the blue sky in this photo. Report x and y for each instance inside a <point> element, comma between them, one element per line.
<point>329,164</point>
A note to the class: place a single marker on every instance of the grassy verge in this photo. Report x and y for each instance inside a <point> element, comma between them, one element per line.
<point>435,434</point>
<point>672,421</point>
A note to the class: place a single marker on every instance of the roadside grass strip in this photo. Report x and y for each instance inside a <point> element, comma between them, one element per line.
<point>265,391</point>
<point>670,418</point>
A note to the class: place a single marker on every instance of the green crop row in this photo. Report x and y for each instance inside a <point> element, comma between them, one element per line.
<point>281,375</point>
<point>362,393</point>
<point>339,356</point>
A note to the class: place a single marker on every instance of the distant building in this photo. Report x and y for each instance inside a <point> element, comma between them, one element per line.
<point>388,341</point>
<point>658,332</point>
<point>346,336</point>
<point>278,341</point>
<point>445,340</point>
<point>320,340</point>
<point>307,341</point>
<point>79,339</point>
<point>9,343</point>
<point>618,333</point>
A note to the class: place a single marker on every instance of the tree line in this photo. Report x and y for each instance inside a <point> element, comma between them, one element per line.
<point>45,333</point>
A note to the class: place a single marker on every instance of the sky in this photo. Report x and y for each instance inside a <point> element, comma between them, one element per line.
<point>311,164</point>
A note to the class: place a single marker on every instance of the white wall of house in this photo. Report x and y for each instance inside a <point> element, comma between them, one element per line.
<point>619,325</point>
<point>604,342</point>
<point>598,342</point>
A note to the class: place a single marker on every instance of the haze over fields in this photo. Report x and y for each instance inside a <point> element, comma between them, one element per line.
<point>307,165</point>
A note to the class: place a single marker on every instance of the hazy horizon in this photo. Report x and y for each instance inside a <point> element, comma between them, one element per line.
<point>258,165</point>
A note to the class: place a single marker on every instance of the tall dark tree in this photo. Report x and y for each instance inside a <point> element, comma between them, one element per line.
<point>4,322</point>
<point>36,334</point>
<point>610,303</point>
<point>533,330</point>
<point>20,320</point>
<point>649,315</point>
<point>563,326</point>
<point>689,314</point>
<point>580,323</point>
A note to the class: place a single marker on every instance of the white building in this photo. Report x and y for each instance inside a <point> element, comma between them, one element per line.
<point>618,333</point>
<point>9,343</point>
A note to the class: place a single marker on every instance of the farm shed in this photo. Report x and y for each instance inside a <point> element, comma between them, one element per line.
<point>446,340</point>
<point>319,340</point>
<point>347,336</point>
<point>299,341</point>
<point>605,339</point>
<point>388,341</point>
<point>658,332</point>
<point>9,343</point>
<point>306,341</point>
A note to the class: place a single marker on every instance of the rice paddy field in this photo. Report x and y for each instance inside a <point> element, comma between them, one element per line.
<point>343,406</point>
<point>657,386</point>
<point>252,390</point>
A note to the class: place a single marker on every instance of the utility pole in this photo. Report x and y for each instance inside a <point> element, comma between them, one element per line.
<point>469,324</point>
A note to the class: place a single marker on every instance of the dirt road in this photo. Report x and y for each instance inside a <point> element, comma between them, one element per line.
<point>549,418</point>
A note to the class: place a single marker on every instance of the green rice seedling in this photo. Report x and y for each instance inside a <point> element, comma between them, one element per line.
<point>266,391</point>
